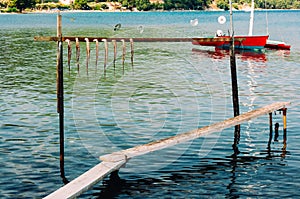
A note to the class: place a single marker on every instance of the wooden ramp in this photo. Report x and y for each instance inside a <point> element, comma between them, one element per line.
<point>116,160</point>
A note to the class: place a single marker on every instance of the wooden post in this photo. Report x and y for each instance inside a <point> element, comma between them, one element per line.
<point>235,94</point>
<point>60,96</point>
<point>284,129</point>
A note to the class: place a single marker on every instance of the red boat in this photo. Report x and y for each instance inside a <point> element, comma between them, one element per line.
<point>277,45</point>
<point>240,42</point>
<point>244,42</point>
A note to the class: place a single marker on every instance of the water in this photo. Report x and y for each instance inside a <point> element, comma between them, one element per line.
<point>171,88</point>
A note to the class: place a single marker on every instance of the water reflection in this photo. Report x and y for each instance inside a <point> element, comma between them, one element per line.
<point>210,176</point>
<point>244,55</point>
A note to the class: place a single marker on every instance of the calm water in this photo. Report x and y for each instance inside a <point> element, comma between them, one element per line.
<point>170,89</point>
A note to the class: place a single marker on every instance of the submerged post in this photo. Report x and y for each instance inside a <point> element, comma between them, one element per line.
<point>60,96</point>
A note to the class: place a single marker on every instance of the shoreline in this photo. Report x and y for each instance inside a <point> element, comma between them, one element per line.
<point>110,11</point>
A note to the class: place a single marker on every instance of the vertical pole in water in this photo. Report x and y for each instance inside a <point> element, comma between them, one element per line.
<point>235,94</point>
<point>231,19</point>
<point>284,129</point>
<point>60,96</point>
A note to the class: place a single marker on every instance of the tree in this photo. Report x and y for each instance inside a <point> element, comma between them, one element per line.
<point>22,4</point>
<point>223,4</point>
<point>81,5</point>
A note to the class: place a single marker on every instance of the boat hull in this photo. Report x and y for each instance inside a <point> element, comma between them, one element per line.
<point>277,45</point>
<point>240,42</point>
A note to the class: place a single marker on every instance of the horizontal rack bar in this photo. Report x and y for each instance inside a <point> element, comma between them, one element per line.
<point>138,39</point>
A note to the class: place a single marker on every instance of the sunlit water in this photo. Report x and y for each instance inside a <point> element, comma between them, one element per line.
<point>171,88</point>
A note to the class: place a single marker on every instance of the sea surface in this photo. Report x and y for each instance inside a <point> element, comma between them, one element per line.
<point>170,88</point>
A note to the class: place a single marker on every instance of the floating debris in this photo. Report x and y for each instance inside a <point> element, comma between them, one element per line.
<point>194,22</point>
<point>222,19</point>
<point>117,27</point>
<point>140,29</point>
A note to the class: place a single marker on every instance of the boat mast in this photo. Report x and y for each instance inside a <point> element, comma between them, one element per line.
<point>251,19</point>
<point>231,20</point>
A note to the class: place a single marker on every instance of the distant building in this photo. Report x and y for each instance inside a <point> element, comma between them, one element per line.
<point>157,1</point>
<point>66,2</point>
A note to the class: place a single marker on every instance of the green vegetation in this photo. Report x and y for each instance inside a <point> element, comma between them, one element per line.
<point>145,5</point>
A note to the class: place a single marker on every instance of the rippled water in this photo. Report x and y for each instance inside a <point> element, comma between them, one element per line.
<point>171,88</point>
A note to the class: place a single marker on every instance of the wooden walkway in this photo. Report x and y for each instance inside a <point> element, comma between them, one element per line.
<point>116,160</point>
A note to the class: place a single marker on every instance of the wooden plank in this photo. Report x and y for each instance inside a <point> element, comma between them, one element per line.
<point>119,39</point>
<point>87,180</point>
<point>168,142</point>
<point>115,161</point>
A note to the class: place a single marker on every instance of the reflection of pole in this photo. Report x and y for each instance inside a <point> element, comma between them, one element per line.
<point>60,96</point>
<point>271,130</point>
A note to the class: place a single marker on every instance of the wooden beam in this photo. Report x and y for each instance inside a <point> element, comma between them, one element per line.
<point>168,142</point>
<point>82,39</point>
<point>86,180</point>
<point>115,161</point>
<point>139,39</point>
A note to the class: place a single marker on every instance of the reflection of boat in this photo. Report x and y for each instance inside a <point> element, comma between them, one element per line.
<point>244,55</point>
<point>240,42</point>
<point>277,45</point>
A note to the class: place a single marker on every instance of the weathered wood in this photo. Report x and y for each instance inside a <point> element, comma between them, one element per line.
<point>82,39</point>
<point>115,161</point>
<point>87,180</point>
<point>168,142</point>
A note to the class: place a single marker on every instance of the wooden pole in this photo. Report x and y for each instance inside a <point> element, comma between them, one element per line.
<point>235,93</point>
<point>284,110</point>
<point>60,97</point>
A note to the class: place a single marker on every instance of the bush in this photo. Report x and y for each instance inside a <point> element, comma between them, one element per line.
<point>10,9</point>
<point>97,6</point>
